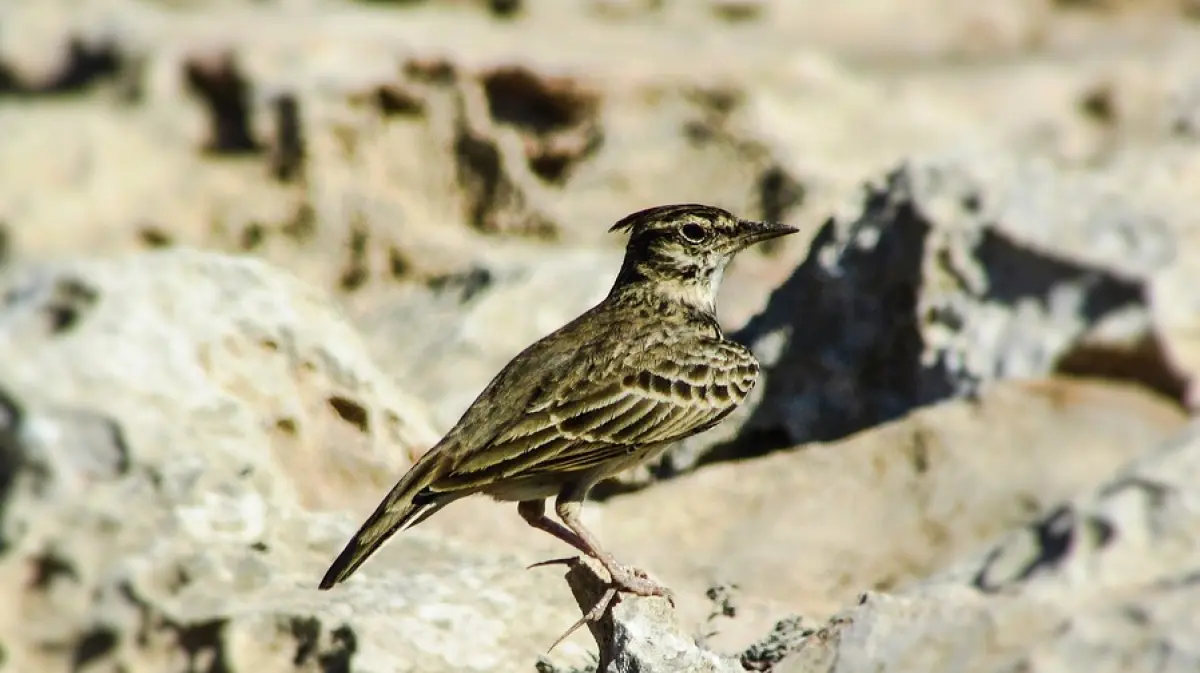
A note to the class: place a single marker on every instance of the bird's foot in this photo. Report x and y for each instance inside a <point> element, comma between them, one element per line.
<point>623,579</point>
<point>636,581</point>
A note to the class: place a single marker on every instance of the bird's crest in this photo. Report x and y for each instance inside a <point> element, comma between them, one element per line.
<point>668,213</point>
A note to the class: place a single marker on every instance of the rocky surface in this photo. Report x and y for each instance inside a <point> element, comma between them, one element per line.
<point>468,319</point>
<point>1106,581</point>
<point>1103,581</point>
<point>889,506</point>
<point>256,256</point>
<point>221,342</point>
<point>947,278</point>
<point>174,425</point>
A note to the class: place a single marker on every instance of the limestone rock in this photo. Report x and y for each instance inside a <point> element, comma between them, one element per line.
<point>235,344</point>
<point>169,422</point>
<point>643,635</point>
<point>812,527</point>
<point>1104,582</point>
<point>942,280</point>
<point>1175,305</point>
<point>452,336</point>
<point>174,426</point>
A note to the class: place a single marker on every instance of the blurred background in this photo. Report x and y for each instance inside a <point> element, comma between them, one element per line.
<point>256,256</point>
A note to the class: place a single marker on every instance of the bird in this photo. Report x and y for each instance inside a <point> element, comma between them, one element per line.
<point>645,367</point>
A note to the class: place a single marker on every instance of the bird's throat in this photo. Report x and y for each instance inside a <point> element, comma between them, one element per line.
<point>693,295</point>
<point>697,294</point>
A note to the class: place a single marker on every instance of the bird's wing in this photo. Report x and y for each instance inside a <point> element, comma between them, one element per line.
<point>650,397</point>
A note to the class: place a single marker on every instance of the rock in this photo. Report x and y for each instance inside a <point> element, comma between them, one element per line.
<point>1175,307</point>
<point>943,280</point>
<point>787,636</point>
<point>370,151</point>
<point>1135,529</point>
<point>173,428</point>
<point>403,151</point>
<point>1104,582</point>
<point>168,423</point>
<point>810,528</point>
<point>452,336</point>
<point>239,345</point>
<point>642,635</point>
<point>959,631</point>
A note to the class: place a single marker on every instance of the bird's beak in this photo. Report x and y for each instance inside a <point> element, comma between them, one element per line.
<point>756,232</point>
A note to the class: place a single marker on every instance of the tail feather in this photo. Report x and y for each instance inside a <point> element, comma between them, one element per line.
<point>405,505</point>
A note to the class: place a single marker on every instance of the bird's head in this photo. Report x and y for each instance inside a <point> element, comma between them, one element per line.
<point>683,249</point>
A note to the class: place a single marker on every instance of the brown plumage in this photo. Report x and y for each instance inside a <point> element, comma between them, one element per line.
<point>645,367</point>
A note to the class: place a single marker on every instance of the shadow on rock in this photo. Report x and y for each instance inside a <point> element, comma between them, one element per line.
<point>932,290</point>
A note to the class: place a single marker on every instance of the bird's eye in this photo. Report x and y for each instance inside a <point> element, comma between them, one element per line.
<point>693,232</point>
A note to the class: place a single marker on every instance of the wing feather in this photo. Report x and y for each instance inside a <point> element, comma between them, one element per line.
<point>653,399</point>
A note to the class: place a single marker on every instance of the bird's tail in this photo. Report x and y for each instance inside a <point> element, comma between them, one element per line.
<point>407,504</point>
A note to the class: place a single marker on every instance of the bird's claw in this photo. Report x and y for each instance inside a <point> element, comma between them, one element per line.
<point>566,560</point>
<point>597,611</point>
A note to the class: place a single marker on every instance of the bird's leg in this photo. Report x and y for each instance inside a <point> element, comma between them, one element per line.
<point>622,578</point>
<point>534,513</point>
<point>569,505</point>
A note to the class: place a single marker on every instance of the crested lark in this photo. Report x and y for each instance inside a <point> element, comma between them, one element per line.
<point>647,366</point>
